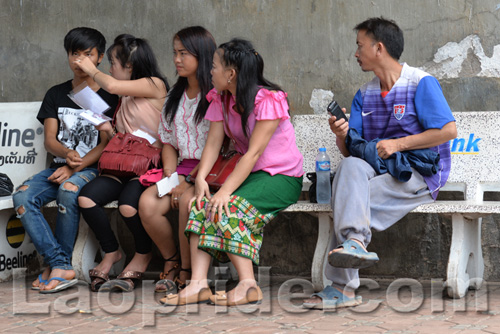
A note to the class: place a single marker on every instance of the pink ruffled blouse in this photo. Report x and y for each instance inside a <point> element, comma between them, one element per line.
<point>281,155</point>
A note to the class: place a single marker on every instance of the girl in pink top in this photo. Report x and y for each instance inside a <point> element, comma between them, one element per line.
<point>228,224</point>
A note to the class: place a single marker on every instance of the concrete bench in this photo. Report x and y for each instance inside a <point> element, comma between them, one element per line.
<point>22,154</point>
<point>475,169</point>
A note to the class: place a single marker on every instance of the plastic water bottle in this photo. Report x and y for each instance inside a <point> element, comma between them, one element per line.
<point>323,185</point>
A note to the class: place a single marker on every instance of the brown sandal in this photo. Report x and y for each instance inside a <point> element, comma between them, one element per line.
<point>125,282</point>
<point>98,279</point>
<point>181,284</point>
<point>165,285</point>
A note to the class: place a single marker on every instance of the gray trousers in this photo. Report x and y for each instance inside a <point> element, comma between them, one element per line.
<point>363,200</point>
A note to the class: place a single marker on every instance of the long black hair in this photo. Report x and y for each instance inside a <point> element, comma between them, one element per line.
<point>249,66</point>
<point>200,43</point>
<point>139,54</point>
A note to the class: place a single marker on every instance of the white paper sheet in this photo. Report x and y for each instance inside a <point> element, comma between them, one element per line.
<point>92,104</point>
<point>93,117</point>
<point>145,135</point>
<point>88,100</point>
<point>165,185</point>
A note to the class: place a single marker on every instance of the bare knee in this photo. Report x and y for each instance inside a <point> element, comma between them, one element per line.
<point>186,198</point>
<point>146,215</point>
<point>22,188</point>
<point>17,195</point>
<point>85,202</point>
<point>184,202</point>
<point>70,187</point>
<point>127,211</point>
<point>20,211</point>
<point>145,203</point>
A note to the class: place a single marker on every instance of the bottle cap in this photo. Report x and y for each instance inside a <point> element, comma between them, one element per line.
<point>322,149</point>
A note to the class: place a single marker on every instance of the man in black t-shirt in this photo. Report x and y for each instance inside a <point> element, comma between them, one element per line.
<point>76,146</point>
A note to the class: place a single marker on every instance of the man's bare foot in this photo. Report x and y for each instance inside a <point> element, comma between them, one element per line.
<point>338,249</point>
<point>65,274</point>
<point>352,254</point>
<point>45,276</point>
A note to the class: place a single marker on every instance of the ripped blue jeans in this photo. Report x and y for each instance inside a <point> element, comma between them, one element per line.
<point>56,248</point>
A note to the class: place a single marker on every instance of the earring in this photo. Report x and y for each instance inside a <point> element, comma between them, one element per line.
<point>228,81</point>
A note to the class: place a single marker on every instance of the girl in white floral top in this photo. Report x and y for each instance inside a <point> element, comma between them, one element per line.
<point>183,132</point>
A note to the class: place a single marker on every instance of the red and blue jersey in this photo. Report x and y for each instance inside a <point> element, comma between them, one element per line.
<point>414,104</point>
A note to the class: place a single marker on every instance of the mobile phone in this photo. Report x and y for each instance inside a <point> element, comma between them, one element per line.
<point>335,110</point>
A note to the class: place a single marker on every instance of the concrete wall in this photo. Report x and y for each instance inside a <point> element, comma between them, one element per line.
<point>305,45</point>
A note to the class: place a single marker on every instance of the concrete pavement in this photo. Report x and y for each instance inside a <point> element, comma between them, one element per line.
<point>400,306</point>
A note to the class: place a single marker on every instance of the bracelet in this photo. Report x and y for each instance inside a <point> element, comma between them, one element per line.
<point>96,73</point>
<point>113,133</point>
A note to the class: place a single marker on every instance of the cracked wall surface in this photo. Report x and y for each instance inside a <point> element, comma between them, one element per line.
<point>305,44</point>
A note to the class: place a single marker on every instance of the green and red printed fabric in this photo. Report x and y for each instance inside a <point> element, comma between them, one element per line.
<point>252,206</point>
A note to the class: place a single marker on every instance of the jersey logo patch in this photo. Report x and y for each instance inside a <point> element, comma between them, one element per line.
<point>399,111</point>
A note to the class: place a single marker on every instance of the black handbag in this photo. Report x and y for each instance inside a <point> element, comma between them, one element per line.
<point>6,185</point>
<point>312,189</point>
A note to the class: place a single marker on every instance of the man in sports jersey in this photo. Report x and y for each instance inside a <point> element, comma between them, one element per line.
<point>404,109</point>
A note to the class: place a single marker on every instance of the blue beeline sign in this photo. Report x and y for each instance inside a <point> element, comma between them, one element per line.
<point>465,146</point>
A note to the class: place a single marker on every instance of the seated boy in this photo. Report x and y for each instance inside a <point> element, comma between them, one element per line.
<point>76,146</point>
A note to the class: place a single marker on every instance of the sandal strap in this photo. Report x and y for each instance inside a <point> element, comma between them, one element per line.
<point>172,257</point>
<point>94,273</point>
<point>130,275</point>
<point>164,275</point>
<point>180,284</point>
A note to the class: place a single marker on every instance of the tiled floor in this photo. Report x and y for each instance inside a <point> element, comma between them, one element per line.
<point>384,310</point>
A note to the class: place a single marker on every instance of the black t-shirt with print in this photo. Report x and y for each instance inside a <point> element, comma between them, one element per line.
<point>73,132</point>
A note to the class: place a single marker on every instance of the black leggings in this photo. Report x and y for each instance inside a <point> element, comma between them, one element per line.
<point>103,190</point>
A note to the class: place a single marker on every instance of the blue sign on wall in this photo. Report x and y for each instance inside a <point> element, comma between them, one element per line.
<point>465,146</point>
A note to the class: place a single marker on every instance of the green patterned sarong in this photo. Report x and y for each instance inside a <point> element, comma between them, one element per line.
<point>252,206</point>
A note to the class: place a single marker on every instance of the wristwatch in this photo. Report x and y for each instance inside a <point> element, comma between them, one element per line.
<point>189,179</point>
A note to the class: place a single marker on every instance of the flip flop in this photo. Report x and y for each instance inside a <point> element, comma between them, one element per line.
<point>63,285</point>
<point>40,280</point>
<point>353,256</point>
<point>332,299</point>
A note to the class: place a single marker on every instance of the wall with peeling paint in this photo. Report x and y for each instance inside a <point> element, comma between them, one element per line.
<point>306,45</point>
